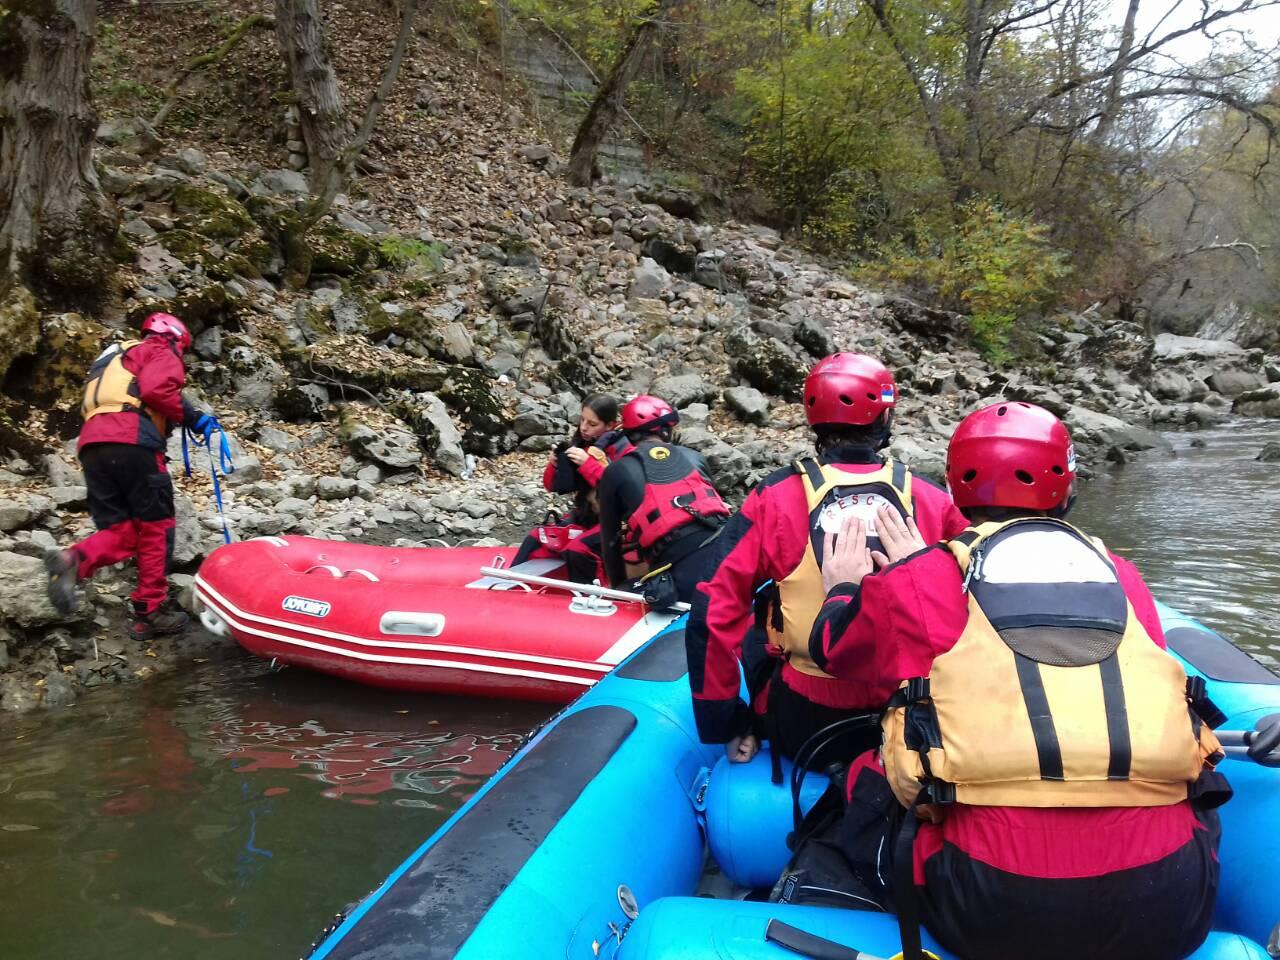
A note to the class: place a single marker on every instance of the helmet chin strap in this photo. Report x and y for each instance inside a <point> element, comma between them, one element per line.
<point>1061,510</point>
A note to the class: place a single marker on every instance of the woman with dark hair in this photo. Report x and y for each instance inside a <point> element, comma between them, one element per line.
<point>576,466</point>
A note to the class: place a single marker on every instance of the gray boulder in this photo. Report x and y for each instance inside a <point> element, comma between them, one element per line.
<point>748,404</point>
<point>336,488</point>
<point>1270,453</point>
<point>15,514</point>
<point>766,364</point>
<point>22,596</point>
<point>1232,383</point>
<point>649,279</point>
<point>190,539</point>
<point>436,431</point>
<point>1169,346</point>
<point>687,388</point>
<point>1259,403</point>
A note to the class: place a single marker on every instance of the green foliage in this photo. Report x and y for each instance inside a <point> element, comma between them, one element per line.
<point>409,253</point>
<point>993,265</point>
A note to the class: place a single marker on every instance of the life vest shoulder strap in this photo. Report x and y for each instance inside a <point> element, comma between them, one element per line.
<point>819,479</point>
<point>964,545</point>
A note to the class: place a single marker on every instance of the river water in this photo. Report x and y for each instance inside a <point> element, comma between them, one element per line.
<point>229,812</point>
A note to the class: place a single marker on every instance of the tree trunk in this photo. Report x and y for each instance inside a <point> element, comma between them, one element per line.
<point>607,104</point>
<point>56,226</point>
<point>325,128</point>
<point>1111,105</point>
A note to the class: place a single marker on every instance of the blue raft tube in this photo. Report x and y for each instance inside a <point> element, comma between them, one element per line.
<point>615,834</point>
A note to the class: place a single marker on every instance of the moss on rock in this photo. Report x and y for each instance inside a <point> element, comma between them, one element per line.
<point>335,250</point>
<point>19,326</point>
<point>70,343</point>
<point>211,214</point>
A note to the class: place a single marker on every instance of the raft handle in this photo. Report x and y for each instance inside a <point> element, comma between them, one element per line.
<point>333,571</point>
<point>412,623</point>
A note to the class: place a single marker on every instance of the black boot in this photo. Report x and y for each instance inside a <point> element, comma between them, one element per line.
<point>157,623</point>
<point>63,567</point>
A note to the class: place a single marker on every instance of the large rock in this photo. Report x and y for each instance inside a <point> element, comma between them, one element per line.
<point>436,431</point>
<point>765,363</point>
<point>1106,431</point>
<point>687,388</point>
<point>190,540</point>
<point>1259,403</point>
<point>1232,383</point>
<point>649,279</point>
<point>15,514</point>
<point>68,346</point>
<point>22,596</point>
<point>748,404</point>
<point>1230,321</point>
<point>1169,346</point>
<point>1270,452</point>
<point>19,326</point>
<point>1169,384</point>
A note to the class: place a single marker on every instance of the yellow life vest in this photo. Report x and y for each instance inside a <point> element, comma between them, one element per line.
<point>831,494</point>
<point>1054,695</point>
<point>111,388</point>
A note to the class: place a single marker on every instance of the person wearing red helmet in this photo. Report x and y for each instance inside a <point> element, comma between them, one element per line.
<point>576,467</point>
<point>1040,809</point>
<point>132,399</point>
<point>766,587</point>
<point>659,509</point>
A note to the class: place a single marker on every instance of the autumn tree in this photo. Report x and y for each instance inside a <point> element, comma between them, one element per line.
<point>55,224</point>
<point>608,101</point>
<point>334,145</point>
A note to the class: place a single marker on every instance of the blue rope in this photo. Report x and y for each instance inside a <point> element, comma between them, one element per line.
<point>226,463</point>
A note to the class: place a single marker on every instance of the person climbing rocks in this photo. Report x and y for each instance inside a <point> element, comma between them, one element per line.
<point>660,512</point>
<point>132,399</point>
<point>1053,762</point>
<point>766,589</point>
<point>576,467</point>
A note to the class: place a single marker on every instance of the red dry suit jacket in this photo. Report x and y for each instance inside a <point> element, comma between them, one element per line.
<point>161,375</point>
<point>766,541</point>
<point>890,629</point>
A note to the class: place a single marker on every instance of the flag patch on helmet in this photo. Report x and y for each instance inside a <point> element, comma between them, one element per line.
<point>886,393</point>
<point>1071,458</point>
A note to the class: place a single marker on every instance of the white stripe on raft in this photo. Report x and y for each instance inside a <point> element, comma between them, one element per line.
<point>414,661</point>
<point>635,635</point>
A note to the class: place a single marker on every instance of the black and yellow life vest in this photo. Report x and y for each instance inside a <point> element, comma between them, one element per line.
<point>111,388</point>
<point>1054,695</point>
<point>831,494</point>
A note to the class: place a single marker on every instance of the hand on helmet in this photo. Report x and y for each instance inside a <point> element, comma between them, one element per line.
<point>845,557</point>
<point>900,537</point>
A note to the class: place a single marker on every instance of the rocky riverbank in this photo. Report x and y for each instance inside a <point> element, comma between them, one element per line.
<point>455,316</point>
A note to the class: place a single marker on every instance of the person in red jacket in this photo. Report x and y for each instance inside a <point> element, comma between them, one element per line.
<point>576,467</point>
<point>767,561</point>
<point>1043,818</point>
<point>132,400</point>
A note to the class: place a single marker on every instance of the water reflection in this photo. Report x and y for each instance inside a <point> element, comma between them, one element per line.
<point>1201,526</point>
<point>227,813</point>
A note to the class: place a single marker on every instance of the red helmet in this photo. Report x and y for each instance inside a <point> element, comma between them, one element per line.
<point>848,388</point>
<point>1011,454</point>
<point>170,326</point>
<point>648,413</point>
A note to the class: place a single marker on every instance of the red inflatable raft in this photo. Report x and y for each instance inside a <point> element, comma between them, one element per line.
<point>423,619</point>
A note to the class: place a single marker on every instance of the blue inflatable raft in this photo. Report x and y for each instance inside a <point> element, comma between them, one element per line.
<point>614,833</point>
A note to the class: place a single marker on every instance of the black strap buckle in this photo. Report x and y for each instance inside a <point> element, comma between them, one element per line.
<point>1206,709</point>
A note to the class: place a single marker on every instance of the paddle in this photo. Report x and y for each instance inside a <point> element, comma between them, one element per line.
<point>583,589</point>
<point>1261,744</point>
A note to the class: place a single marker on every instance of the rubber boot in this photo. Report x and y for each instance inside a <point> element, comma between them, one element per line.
<point>63,567</point>
<point>157,623</point>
